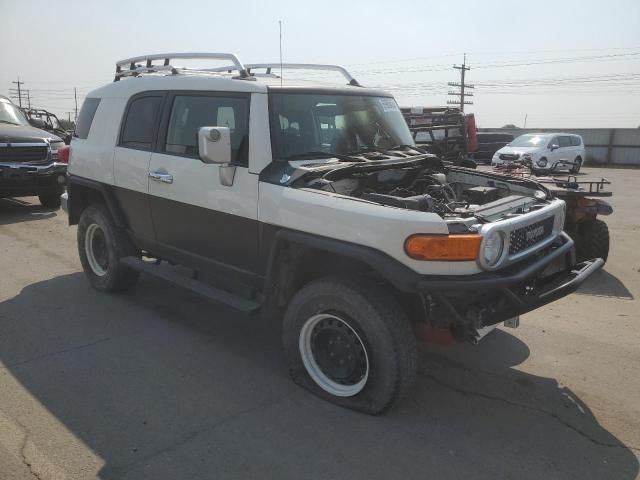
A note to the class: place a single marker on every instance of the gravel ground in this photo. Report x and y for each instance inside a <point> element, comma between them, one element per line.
<point>157,383</point>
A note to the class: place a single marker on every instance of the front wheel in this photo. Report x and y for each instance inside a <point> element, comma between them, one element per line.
<point>50,200</point>
<point>101,245</point>
<point>350,343</point>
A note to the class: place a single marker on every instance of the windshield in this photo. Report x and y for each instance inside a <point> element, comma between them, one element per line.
<point>529,141</point>
<point>342,124</point>
<point>11,114</point>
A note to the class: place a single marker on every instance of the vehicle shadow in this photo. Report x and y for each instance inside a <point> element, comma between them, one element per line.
<point>15,210</point>
<point>605,284</point>
<point>160,384</point>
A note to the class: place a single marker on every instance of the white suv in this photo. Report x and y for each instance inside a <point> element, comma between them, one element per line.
<point>544,151</point>
<point>309,204</point>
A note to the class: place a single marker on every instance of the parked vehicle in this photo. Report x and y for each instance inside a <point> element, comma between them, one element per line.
<point>444,131</point>
<point>48,121</point>
<point>488,144</point>
<point>32,161</point>
<point>308,204</point>
<point>547,152</point>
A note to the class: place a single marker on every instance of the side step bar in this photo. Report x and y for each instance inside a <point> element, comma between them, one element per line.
<point>209,292</point>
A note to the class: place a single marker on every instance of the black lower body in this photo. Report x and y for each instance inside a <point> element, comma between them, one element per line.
<point>26,181</point>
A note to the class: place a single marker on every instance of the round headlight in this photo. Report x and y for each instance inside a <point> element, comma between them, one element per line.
<point>492,250</point>
<point>542,163</point>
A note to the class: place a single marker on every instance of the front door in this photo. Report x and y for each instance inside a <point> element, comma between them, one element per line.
<point>198,221</point>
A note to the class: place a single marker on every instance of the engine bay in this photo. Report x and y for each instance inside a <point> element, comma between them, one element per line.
<point>451,192</point>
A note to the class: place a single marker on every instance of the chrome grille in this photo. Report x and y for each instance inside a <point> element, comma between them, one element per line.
<point>509,156</point>
<point>525,237</point>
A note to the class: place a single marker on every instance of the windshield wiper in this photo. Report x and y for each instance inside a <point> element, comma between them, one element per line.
<point>385,151</point>
<point>339,156</point>
<point>10,123</point>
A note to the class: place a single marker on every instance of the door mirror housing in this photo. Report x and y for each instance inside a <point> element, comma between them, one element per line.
<point>554,146</point>
<point>214,145</point>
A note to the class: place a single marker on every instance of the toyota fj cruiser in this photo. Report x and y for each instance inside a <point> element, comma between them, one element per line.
<point>31,160</point>
<point>308,203</point>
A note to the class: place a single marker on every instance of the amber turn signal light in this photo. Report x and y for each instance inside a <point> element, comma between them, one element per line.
<point>443,247</point>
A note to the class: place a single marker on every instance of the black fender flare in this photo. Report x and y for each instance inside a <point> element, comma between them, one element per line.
<point>105,191</point>
<point>399,275</point>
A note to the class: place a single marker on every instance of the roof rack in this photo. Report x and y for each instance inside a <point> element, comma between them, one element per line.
<point>305,66</point>
<point>133,69</point>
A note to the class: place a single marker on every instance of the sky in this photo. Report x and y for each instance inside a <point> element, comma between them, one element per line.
<point>557,63</point>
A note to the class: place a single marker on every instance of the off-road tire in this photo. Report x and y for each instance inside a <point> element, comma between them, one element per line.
<point>117,245</point>
<point>576,168</point>
<point>593,240</point>
<point>377,319</point>
<point>50,200</point>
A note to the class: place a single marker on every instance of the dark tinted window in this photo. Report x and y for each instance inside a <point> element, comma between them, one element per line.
<point>140,123</point>
<point>190,112</point>
<point>85,117</point>
<point>564,141</point>
<point>575,141</point>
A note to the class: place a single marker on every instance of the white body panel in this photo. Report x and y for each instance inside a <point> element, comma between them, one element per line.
<point>197,183</point>
<point>363,223</point>
<point>96,151</point>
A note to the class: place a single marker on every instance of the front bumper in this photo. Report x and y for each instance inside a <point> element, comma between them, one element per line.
<point>473,302</point>
<point>25,180</point>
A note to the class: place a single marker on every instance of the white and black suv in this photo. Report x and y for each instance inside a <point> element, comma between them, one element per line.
<point>309,204</point>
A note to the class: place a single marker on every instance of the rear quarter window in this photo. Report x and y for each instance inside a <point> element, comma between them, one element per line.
<point>85,117</point>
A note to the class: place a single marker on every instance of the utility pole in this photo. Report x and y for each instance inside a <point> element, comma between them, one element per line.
<point>525,120</point>
<point>29,99</point>
<point>18,91</point>
<point>75,97</point>
<point>462,86</point>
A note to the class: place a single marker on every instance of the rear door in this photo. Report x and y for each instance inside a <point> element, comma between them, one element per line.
<point>131,161</point>
<point>565,151</point>
<point>198,221</point>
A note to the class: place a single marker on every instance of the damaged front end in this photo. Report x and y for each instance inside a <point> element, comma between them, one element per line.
<point>521,259</point>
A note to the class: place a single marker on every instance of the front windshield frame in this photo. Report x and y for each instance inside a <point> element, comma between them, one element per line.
<point>542,140</point>
<point>11,114</point>
<point>391,128</point>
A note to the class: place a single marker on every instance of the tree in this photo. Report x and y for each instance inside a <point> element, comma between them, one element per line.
<point>510,125</point>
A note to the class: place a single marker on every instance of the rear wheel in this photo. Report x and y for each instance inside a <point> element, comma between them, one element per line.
<point>578,164</point>
<point>101,245</point>
<point>593,241</point>
<point>350,343</point>
<point>50,200</point>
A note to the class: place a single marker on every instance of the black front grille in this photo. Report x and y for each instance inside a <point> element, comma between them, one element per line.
<point>525,237</point>
<point>16,153</point>
<point>509,156</point>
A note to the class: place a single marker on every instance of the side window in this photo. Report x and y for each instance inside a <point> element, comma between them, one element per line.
<point>85,117</point>
<point>190,112</point>
<point>565,141</point>
<point>575,141</point>
<point>140,123</point>
<point>553,141</point>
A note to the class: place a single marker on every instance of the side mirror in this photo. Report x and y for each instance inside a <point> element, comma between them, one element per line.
<point>214,145</point>
<point>554,146</point>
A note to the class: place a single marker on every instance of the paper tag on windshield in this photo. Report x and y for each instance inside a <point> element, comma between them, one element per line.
<point>388,104</point>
